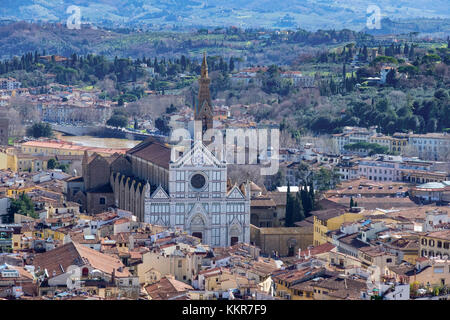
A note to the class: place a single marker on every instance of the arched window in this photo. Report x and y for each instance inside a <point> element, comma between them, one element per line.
<point>85,272</point>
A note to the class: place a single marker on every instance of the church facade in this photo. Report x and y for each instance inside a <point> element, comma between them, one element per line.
<point>201,200</point>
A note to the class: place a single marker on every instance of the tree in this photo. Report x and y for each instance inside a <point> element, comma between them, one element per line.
<point>162,124</point>
<point>231,65</point>
<point>276,180</point>
<point>289,217</point>
<point>117,120</point>
<point>38,130</point>
<point>307,202</point>
<point>298,213</point>
<point>312,196</point>
<point>51,164</point>
<point>391,78</point>
<point>352,203</point>
<point>326,179</point>
<point>22,205</point>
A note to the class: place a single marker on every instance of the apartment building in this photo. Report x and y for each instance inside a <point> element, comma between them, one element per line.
<point>352,135</point>
<point>9,84</point>
<point>431,146</point>
<point>435,244</point>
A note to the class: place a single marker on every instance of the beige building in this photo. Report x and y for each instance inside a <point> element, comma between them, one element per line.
<point>435,244</point>
<point>432,272</point>
<point>375,256</point>
<point>224,280</point>
<point>178,260</point>
<point>284,241</point>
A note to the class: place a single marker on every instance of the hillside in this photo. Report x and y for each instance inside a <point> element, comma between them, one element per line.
<point>306,14</point>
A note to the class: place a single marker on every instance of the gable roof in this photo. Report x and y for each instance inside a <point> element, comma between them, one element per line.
<point>188,157</point>
<point>167,288</point>
<point>159,193</point>
<point>235,189</point>
<point>153,151</point>
<point>57,261</point>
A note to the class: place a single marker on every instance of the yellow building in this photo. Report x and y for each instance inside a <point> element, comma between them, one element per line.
<point>293,284</point>
<point>14,160</point>
<point>15,191</point>
<point>329,220</point>
<point>8,159</point>
<point>32,163</point>
<point>435,244</point>
<point>55,147</point>
<point>398,145</point>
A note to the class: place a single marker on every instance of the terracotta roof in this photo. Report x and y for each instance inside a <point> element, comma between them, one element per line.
<point>329,213</point>
<point>412,213</point>
<point>335,283</point>
<point>323,248</point>
<point>443,234</point>
<point>352,240</point>
<point>57,261</point>
<point>167,288</point>
<point>371,203</point>
<point>153,151</point>
<point>262,202</point>
<point>69,146</point>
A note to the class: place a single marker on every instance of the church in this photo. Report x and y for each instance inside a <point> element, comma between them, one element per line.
<point>190,192</point>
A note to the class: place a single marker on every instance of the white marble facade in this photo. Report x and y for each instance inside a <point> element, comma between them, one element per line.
<point>198,200</point>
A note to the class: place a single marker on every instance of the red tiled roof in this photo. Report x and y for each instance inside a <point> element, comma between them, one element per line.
<point>152,151</point>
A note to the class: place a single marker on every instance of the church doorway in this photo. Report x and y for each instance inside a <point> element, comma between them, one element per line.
<point>198,235</point>
<point>234,240</point>
<point>291,252</point>
<point>197,226</point>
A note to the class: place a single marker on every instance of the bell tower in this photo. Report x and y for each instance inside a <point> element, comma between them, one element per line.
<point>203,112</point>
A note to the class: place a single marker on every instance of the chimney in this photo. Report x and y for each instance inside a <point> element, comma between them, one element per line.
<point>113,276</point>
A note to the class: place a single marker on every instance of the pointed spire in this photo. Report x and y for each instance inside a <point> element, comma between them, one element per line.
<point>204,66</point>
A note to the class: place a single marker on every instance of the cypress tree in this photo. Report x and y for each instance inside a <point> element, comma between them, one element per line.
<point>297,208</point>
<point>312,195</point>
<point>352,203</point>
<point>289,208</point>
<point>231,65</point>
<point>344,73</point>
<point>306,201</point>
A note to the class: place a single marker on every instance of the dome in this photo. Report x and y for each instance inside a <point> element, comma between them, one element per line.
<point>432,185</point>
